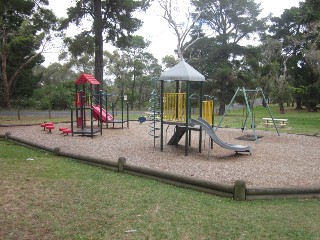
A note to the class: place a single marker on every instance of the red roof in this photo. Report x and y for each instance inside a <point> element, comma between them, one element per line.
<point>86,78</point>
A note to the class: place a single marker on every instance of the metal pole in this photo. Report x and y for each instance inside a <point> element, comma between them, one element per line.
<point>200,114</point>
<point>187,119</point>
<point>250,114</point>
<point>122,99</point>
<point>229,106</point>
<point>107,126</point>
<point>259,89</point>
<point>127,114</point>
<point>161,112</point>
<point>72,121</point>
<point>100,103</point>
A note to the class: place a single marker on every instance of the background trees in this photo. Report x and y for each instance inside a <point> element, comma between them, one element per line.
<point>298,31</point>
<point>230,22</point>
<point>131,71</point>
<point>226,40</point>
<point>114,18</point>
<point>24,30</point>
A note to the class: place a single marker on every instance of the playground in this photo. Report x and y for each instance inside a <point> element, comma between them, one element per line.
<point>285,160</point>
<point>174,141</point>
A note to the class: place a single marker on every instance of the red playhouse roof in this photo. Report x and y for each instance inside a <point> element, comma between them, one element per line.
<point>86,78</point>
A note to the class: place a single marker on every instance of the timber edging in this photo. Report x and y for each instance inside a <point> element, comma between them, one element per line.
<point>237,190</point>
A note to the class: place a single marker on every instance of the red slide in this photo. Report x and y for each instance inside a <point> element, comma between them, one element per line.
<point>105,116</point>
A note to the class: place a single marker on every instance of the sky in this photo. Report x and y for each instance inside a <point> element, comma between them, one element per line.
<point>155,28</point>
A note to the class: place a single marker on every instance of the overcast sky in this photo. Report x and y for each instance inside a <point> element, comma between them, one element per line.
<point>155,28</point>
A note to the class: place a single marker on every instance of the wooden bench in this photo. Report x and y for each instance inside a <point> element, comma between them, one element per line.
<point>282,122</point>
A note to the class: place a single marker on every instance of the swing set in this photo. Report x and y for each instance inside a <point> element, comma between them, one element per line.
<point>250,96</point>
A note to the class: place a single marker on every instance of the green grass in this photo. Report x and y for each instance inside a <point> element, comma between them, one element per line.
<point>7,120</point>
<point>51,197</point>
<point>299,121</point>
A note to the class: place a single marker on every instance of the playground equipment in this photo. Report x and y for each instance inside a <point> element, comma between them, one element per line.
<point>176,107</point>
<point>47,126</point>
<point>123,102</point>
<point>90,105</point>
<point>84,105</point>
<point>153,111</point>
<point>208,128</point>
<point>249,109</point>
<point>208,109</point>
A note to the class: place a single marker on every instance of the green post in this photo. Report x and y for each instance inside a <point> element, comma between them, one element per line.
<point>187,119</point>
<point>250,114</point>
<point>161,110</point>
<point>200,115</point>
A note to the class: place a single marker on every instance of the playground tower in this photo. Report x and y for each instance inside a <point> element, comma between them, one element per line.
<point>176,107</point>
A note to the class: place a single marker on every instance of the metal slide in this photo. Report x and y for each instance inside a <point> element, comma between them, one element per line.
<point>207,127</point>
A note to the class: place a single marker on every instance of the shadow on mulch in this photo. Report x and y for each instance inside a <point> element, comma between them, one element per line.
<point>249,137</point>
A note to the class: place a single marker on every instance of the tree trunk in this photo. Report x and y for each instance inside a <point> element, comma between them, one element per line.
<point>299,103</point>
<point>4,76</point>
<point>6,91</point>
<point>222,107</point>
<point>264,104</point>
<point>223,96</point>
<point>281,107</point>
<point>98,44</point>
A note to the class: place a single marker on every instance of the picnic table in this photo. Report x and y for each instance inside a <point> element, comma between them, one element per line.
<point>282,122</point>
<point>153,115</point>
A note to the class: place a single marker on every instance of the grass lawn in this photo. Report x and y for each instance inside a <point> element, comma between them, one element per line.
<point>299,121</point>
<point>36,119</point>
<point>43,196</point>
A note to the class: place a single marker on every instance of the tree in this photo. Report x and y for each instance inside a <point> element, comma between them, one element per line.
<point>298,30</point>
<point>135,50</point>
<point>230,22</point>
<point>56,87</point>
<point>274,73</point>
<point>169,61</point>
<point>54,74</point>
<point>131,74</point>
<point>24,32</point>
<point>111,17</point>
<point>181,26</point>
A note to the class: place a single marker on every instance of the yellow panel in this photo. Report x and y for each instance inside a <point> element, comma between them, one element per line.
<point>174,106</point>
<point>207,111</point>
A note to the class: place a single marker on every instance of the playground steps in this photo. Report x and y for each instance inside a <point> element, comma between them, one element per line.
<point>178,134</point>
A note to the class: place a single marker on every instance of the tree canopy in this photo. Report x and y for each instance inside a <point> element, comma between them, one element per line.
<point>226,40</point>
<point>227,23</point>
<point>112,21</point>
<point>24,30</point>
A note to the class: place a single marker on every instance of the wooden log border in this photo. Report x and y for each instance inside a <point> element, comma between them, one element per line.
<point>237,191</point>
